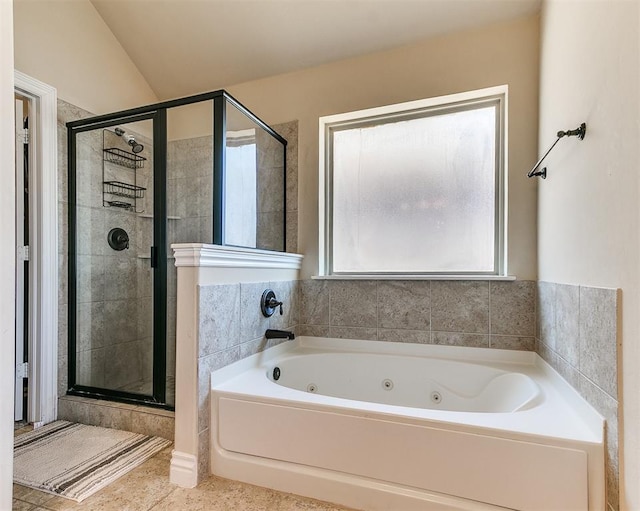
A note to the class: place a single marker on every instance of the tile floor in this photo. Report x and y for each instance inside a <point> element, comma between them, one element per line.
<point>147,488</point>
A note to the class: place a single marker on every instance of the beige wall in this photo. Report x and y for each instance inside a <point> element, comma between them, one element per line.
<point>500,54</point>
<point>588,206</point>
<point>67,45</point>
<point>7,259</point>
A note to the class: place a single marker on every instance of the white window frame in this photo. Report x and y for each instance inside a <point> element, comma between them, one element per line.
<point>328,124</point>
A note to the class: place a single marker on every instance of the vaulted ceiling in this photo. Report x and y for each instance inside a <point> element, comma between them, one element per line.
<point>182,47</point>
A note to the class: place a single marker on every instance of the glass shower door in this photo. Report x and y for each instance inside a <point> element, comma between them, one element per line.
<point>117,288</point>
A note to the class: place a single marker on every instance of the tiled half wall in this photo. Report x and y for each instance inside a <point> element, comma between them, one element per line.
<point>461,313</point>
<point>231,327</point>
<point>574,328</point>
<point>577,335</point>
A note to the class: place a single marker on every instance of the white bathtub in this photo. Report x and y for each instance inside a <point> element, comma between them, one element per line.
<point>388,426</point>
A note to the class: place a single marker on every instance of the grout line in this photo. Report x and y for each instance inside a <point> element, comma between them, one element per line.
<point>155,505</point>
<point>579,329</point>
<point>329,305</point>
<point>377,284</point>
<point>430,285</point>
<point>489,313</point>
<point>535,310</point>
<point>555,316</point>
<point>580,374</point>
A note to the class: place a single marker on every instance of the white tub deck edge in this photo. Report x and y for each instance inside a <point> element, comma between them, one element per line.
<point>278,425</point>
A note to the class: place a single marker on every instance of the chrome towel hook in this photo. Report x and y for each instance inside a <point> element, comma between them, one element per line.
<point>578,132</point>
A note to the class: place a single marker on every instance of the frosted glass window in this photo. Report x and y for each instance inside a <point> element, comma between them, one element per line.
<point>418,193</point>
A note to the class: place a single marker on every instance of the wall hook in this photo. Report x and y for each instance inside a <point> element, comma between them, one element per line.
<point>578,132</point>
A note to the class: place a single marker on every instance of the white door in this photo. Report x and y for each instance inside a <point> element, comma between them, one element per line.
<point>21,262</point>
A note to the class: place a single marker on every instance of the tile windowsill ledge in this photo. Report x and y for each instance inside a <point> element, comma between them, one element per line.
<point>415,277</point>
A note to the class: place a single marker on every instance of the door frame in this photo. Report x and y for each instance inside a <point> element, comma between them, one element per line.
<point>21,278</point>
<point>158,258</point>
<point>43,264</point>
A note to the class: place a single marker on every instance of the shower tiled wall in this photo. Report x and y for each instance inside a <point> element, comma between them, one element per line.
<point>577,335</point>
<point>189,211</point>
<point>289,131</point>
<point>190,190</point>
<point>270,204</point>
<point>459,313</point>
<point>231,327</point>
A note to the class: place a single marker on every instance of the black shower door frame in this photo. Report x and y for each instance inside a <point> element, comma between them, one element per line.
<point>158,259</point>
<point>158,113</point>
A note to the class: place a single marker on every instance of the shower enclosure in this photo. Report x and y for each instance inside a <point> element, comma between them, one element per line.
<point>201,169</point>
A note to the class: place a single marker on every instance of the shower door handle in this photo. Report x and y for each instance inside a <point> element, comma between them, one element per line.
<point>154,257</point>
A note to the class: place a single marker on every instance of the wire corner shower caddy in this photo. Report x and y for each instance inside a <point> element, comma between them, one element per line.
<point>114,190</point>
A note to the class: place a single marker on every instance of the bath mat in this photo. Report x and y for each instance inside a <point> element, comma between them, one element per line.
<point>75,461</point>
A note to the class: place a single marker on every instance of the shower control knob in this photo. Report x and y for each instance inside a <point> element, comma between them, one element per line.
<point>118,239</point>
<point>268,303</point>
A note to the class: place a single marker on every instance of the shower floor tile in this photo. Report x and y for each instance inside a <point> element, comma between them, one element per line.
<point>147,488</point>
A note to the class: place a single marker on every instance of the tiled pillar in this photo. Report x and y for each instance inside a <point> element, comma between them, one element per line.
<point>212,332</point>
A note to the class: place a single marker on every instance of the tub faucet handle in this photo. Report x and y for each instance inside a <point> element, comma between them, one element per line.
<point>273,303</point>
<point>269,303</point>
